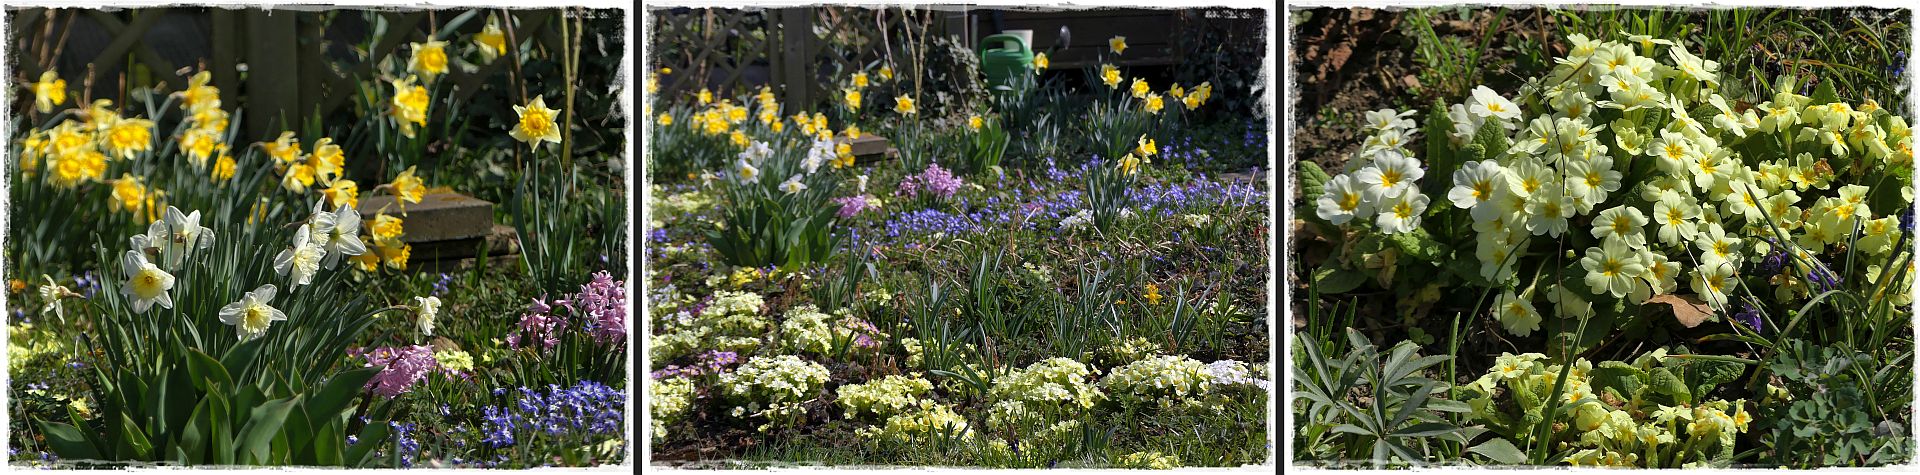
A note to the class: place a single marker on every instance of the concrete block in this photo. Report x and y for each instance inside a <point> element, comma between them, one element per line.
<point>438,217</point>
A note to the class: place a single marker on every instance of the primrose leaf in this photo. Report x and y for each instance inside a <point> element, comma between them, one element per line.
<point>1336,280</point>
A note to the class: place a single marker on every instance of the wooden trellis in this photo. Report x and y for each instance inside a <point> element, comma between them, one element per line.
<point>289,72</point>
<point>796,51</point>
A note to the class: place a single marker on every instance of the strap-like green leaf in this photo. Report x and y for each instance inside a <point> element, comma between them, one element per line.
<point>1500,451</point>
<point>256,438</point>
<point>206,370</point>
<point>67,441</point>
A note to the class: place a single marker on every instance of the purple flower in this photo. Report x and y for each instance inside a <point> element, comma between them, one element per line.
<point>403,367</point>
<point>935,180</point>
<point>1749,315</point>
<point>852,205</point>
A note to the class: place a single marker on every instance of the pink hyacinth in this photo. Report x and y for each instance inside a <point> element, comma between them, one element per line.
<point>602,302</point>
<point>404,367</point>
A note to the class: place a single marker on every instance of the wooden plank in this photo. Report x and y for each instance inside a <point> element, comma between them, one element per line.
<point>796,31</point>
<point>226,38</point>
<point>271,71</point>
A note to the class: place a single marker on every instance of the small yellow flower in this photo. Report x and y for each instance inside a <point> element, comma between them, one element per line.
<point>1040,62</point>
<point>223,167</point>
<point>49,92</point>
<point>706,97</point>
<point>886,72</point>
<point>1118,44</point>
<point>853,99</point>
<point>327,160</point>
<point>491,42</point>
<point>739,139</point>
<point>127,137</point>
<point>903,105</point>
<point>343,193</point>
<point>408,188</point>
<point>299,176</point>
<point>1192,101</point>
<point>974,122</point>
<point>396,257</point>
<point>666,119</point>
<point>536,123</point>
<point>1155,103</point>
<point>1145,147</point>
<point>386,230</point>
<point>429,59</point>
<point>859,79</point>
<point>852,132</point>
<point>1110,75</point>
<point>200,96</point>
<point>1177,92</point>
<point>409,105</point>
<point>129,194</point>
<point>285,149</point>
<point>1153,294</point>
<point>1129,164</point>
<point>1140,88</point>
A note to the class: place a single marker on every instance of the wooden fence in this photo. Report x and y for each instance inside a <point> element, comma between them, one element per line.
<point>296,64</point>
<point>796,51</point>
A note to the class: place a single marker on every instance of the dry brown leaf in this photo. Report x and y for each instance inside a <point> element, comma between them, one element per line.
<point>1688,309</point>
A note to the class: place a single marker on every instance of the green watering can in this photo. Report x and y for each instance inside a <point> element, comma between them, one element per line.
<point>1002,57</point>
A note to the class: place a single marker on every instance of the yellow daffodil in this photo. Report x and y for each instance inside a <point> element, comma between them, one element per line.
<point>49,91</point>
<point>223,167</point>
<point>852,132</point>
<point>409,105</point>
<point>396,257</point>
<point>974,122</point>
<point>1117,44</point>
<point>1110,75</point>
<point>537,123</point>
<point>859,79</point>
<point>429,59</point>
<point>853,99</point>
<point>129,194</point>
<point>128,137</point>
<point>199,95</point>
<point>386,230</point>
<point>491,41</point>
<point>71,169</point>
<point>342,193</point>
<point>886,72</point>
<point>1155,103</point>
<point>199,146</point>
<point>1140,88</point>
<point>1177,92</point>
<point>1040,62</point>
<point>327,160</point>
<point>705,96</point>
<point>903,105</point>
<point>1129,164</point>
<point>1145,147</point>
<point>408,187</point>
<point>299,176</point>
<point>285,149</point>
<point>665,119</point>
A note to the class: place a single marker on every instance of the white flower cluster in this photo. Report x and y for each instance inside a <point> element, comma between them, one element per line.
<point>779,384</point>
<point>731,322</point>
<point>1162,375</point>
<point>923,423</point>
<point>669,401</point>
<point>884,397</point>
<point>1226,372</point>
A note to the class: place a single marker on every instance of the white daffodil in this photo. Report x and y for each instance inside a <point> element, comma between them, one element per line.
<point>1612,267</point>
<point>1343,201</point>
<point>302,260</point>
<point>1487,103</point>
<point>745,173</point>
<point>1389,175</point>
<point>51,294</point>
<point>176,235</point>
<point>146,283</point>
<point>1401,213</point>
<point>339,233</point>
<point>756,152</point>
<point>792,185</point>
<point>251,315</point>
<point>426,309</point>
<point>862,184</point>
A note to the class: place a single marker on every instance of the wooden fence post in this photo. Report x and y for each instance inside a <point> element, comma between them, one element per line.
<point>796,34</point>
<point>272,73</point>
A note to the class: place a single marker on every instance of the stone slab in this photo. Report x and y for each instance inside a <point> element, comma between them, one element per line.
<point>437,217</point>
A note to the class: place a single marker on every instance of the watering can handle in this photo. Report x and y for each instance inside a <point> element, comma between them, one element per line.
<point>1004,40</point>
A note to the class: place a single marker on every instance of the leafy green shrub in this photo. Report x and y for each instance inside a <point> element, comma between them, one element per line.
<point>1827,413</point>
